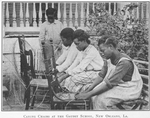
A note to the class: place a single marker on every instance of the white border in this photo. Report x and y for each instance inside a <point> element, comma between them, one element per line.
<point>66,114</point>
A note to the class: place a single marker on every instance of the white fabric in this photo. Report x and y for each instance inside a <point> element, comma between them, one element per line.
<point>89,59</point>
<point>124,91</point>
<point>89,62</point>
<point>63,56</point>
<point>75,62</point>
<point>80,82</point>
<point>66,59</point>
<point>51,31</point>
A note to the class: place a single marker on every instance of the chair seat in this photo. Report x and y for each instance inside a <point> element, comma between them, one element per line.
<point>64,96</point>
<point>5,89</point>
<point>132,102</point>
<point>68,97</point>
<point>39,83</point>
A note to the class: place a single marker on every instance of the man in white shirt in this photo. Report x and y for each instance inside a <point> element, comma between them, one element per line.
<point>51,29</point>
<point>70,51</point>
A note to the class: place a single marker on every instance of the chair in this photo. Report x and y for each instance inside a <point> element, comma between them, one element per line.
<point>5,95</point>
<point>55,90</point>
<point>33,84</point>
<point>50,85</point>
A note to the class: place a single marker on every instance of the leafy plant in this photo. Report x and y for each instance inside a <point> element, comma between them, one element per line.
<point>131,33</point>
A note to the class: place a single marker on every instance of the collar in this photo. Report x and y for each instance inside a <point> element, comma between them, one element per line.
<point>88,48</point>
<point>72,45</point>
<point>116,60</point>
<point>55,22</point>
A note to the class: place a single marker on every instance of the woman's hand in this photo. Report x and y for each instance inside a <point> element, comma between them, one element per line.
<point>62,77</point>
<point>82,96</point>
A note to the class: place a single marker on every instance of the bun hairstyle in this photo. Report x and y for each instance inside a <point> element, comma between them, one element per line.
<point>81,35</point>
<point>106,39</point>
<point>102,39</point>
<point>112,40</point>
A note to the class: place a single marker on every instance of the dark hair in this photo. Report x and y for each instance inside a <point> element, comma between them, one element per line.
<point>108,40</point>
<point>67,33</point>
<point>102,39</point>
<point>81,35</point>
<point>51,11</point>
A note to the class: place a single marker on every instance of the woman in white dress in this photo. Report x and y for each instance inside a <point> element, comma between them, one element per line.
<point>85,67</point>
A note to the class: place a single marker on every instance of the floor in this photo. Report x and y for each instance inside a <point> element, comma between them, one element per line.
<point>8,106</point>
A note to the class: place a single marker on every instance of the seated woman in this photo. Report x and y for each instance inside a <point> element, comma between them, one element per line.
<point>86,66</point>
<point>118,81</point>
<point>69,50</point>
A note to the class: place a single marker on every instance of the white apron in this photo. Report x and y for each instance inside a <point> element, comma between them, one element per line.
<point>124,91</point>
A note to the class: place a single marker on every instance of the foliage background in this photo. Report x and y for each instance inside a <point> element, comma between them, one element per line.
<point>131,32</point>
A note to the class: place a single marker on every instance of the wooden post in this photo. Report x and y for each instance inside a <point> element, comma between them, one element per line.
<point>21,16</point>
<point>14,15</point>
<point>34,16</point>
<point>76,15</point>
<point>7,16</point>
<point>52,4</point>
<point>114,8</point>
<point>87,14</point>
<point>27,15</point>
<point>65,17</point>
<point>82,15</point>
<point>109,7</point>
<point>40,15</point>
<point>70,16</point>
<point>59,14</point>
<point>93,7</point>
<point>46,7</point>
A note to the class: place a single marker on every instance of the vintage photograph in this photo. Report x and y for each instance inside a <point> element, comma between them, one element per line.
<point>75,55</point>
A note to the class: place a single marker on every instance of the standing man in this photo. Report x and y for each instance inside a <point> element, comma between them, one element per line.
<point>51,29</point>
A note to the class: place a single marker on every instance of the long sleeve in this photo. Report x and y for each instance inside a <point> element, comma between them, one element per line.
<point>69,59</point>
<point>84,63</point>
<point>62,58</point>
<point>75,63</point>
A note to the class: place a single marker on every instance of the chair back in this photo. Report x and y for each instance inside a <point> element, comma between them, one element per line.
<point>26,60</point>
<point>47,48</point>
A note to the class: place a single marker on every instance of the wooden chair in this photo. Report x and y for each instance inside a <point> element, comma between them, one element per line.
<point>54,88</point>
<point>33,84</point>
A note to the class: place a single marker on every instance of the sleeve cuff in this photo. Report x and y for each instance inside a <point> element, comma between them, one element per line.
<point>57,62</point>
<point>70,73</point>
<point>108,83</point>
<point>59,68</point>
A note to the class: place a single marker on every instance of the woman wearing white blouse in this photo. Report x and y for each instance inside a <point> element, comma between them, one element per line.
<point>86,66</point>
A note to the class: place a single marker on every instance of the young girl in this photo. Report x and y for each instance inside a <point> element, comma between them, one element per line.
<point>86,66</point>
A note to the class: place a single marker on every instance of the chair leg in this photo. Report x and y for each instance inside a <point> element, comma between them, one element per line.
<point>33,100</point>
<point>27,98</point>
<point>120,106</point>
<point>52,106</point>
<point>136,106</point>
